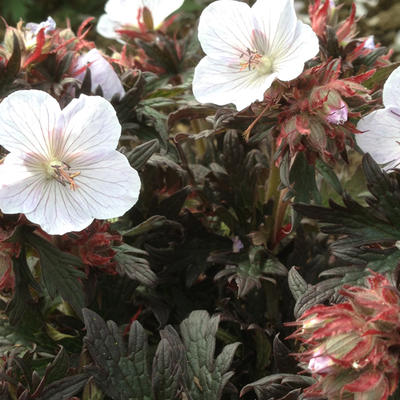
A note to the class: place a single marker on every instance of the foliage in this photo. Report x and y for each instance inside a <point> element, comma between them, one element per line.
<point>245,220</point>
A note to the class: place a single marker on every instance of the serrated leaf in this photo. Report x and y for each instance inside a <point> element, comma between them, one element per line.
<point>156,119</point>
<point>140,154</point>
<point>59,273</point>
<point>136,268</point>
<point>277,386</point>
<point>358,225</point>
<point>297,285</point>
<point>122,374</point>
<point>317,294</point>
<point>169,366</point>
<point>58,368</point>
<point>65,388</point>
<point>206,377</point>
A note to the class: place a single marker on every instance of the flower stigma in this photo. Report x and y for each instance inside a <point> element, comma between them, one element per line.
<point>59,171</point>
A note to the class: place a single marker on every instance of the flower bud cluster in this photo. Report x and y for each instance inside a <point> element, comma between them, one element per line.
<point>351,349</point>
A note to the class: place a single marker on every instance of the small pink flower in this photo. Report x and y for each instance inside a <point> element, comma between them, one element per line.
<point>338,115</point>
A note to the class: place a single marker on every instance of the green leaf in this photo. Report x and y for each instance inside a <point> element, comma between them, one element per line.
<point>278,386</point>
<point>157,120</point>
<point>59,273</point>
<point>297,285</point>
<point>169,365</point>
<point>380,76</point>
<point>120,371</point>
<point>140,154</point>
<point>303,185</point>
<point>58,368</point>
<point>329,175</point>
<point>136,268</point>
<point>65,388</point>
<point>359,226</point>
<point>21,308</point>
<point>207,376</point>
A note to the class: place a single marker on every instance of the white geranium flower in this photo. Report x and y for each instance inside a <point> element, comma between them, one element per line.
<point>381,129</point>
<point>102,74</point>
<point>63,170</point>
<point>248,48</point>
<point>121,13</point>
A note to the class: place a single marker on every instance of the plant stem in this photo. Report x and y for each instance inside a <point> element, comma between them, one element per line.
<point>273,195</point>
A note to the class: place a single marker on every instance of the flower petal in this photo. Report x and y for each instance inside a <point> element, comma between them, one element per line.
<point>27,121</point>
<point>226,29</point>
<point>91,125</point>
<point>220,83</point>
<point>102,74</point>
<point>58,212</point>
<point>20,184</point>
<point>161,9</point>
<point>391,89</point>
<point>381,136</point>
<point>277,20</point>
<point>290,58</point>
<point>106,27</point>
<point>123,11</point>
<point>107,185</point>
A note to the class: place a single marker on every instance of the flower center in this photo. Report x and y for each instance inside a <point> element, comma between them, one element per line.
<point>59,170</point>
<point>252,60</point>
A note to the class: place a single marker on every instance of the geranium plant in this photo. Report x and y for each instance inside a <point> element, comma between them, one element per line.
<point>185,184</point>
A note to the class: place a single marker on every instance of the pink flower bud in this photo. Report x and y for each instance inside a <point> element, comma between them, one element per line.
<point>338,115</point>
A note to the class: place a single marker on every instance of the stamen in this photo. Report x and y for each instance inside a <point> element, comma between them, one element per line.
<point>62,176</point>
<point>253,59</point>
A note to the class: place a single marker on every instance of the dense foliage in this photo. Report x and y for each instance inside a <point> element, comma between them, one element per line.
<point>245,221</point>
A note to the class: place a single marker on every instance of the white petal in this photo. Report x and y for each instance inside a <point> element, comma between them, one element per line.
<point>58,212</point>
<point>27,121</point>
<point>277,20</point>
<point>102,74</point>
<point>226,29</point>
<point>91,125</point>
<point>107,187</point>
<point>124,11</point>
<point>161,9</point>
<point>20,184</point>
<point>290,58</point>
<point>381,136</point>
<point>106,27</point>
<point>219,83</point>
<point>391,90</point>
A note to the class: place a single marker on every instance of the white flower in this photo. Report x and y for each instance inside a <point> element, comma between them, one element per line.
<point>63,170</point>
<point>49,25</point>
<point>381,129</point>
<point>102,74</point>
<point>248,48</point>
<point>121,13</point>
